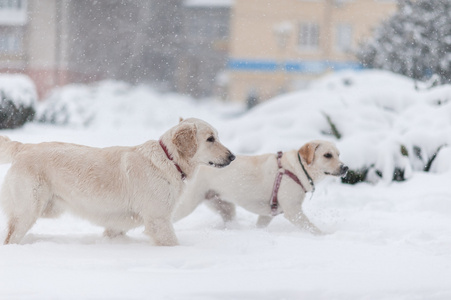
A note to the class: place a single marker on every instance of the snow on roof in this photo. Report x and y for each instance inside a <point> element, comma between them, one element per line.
<point>216,3</point>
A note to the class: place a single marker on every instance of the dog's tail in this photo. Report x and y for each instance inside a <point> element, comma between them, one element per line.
<point>8,149</point>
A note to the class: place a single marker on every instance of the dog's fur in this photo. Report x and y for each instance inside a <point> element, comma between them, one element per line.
<point>249,183</point>
<point>119,188</point>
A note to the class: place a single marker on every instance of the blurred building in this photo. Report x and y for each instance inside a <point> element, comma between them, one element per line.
<point>37,39</point>
<point>205,51</point>
<point>279,45</point>
<point>32,40</point>
<point>13,18</point>
<point>176,45</point>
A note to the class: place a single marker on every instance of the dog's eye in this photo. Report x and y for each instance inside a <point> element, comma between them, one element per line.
<point>211,139</point>
<point>328,155</point>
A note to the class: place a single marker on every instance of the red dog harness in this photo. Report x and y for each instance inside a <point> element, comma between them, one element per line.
<point>274,202</point>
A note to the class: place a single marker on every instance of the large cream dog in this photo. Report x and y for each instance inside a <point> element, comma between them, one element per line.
<point>119,188</point>
<point>266,184</point>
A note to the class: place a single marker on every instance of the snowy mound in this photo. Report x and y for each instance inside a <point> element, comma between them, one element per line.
<point>118,105</point>
<point>18,88</point>
<point>384,125</point>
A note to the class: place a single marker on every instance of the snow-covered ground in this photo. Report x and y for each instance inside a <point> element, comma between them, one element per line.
<point>386,240</point>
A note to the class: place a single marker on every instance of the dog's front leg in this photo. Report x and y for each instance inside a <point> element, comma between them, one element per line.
<point>189,200</point>
<point>162,231</point>
<point>300,220</point>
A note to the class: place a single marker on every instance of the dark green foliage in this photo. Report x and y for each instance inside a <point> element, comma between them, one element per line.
<point>398,175</point>
<point>417,152</point>
<point>427,167</point>
<point>355,176</point>
<point>360,175</point>
<point>333,129</point>
<point>404,151</point>
<point>14,115</point>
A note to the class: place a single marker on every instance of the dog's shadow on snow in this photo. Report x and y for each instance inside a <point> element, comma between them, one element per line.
<point>82,239</point>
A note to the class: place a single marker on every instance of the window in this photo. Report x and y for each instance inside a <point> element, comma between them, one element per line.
<point>343,37</point>
<point>11,4</point>
<point>339,3</point>
<point>13,12</point>
<point>309,36</point>
<point>10,43</point>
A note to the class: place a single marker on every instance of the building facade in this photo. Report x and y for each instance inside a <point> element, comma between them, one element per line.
<point>33,41</point>
<point>205,50</point>
<point>279,45</point>
<point>175,45</point>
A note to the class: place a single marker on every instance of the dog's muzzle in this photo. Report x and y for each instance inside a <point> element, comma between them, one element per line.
<point>342,172</point>
<point>224,163</point>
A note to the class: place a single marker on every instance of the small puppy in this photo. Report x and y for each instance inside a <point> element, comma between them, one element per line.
<point>119,188</point>
<point>265,184</point>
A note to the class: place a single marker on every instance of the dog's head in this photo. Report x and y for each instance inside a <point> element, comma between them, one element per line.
<point>198,142</point>
<point>322,157</point>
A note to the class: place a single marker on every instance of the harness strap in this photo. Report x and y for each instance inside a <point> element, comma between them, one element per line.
<point>274,203</point>
<point>169,156</point>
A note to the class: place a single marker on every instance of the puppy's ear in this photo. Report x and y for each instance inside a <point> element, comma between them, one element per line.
<point>180,119</point>
<point>185,140</point>
<point>307,151</point>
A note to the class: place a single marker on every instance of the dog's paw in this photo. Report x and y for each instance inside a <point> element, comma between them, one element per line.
<point>112,233</point>
<point>315,231</point>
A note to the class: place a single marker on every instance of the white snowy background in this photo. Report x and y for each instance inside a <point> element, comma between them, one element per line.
<point>386,240</point>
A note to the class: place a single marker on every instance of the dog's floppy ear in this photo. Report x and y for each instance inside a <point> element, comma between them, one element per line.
<point>307,151</point>
<point>185,140</point>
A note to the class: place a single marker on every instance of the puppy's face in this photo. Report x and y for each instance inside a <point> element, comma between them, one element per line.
<point>323,158</point>
<point>198,142</point>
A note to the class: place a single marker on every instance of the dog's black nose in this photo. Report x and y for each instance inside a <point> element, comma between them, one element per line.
<point>344,169</point>
<point>232,157</point>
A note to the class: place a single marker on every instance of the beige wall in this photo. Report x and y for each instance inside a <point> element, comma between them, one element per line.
<point>41,30</point>
<point>47,43</point>
<point>268,31</point>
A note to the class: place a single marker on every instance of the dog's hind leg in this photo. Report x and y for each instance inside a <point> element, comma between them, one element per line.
<point>225,209</point>
<point>263,221</point>
<point>23,202</point>
<point>11,231</point>
<point>17,228</point>
<point>52,209</point>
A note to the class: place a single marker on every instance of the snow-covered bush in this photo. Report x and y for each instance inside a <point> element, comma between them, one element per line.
<point>415,41</point>
<point>116,104</point>
<point>17,100</point>
<point>384,127</point>
<point>70,105</point>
